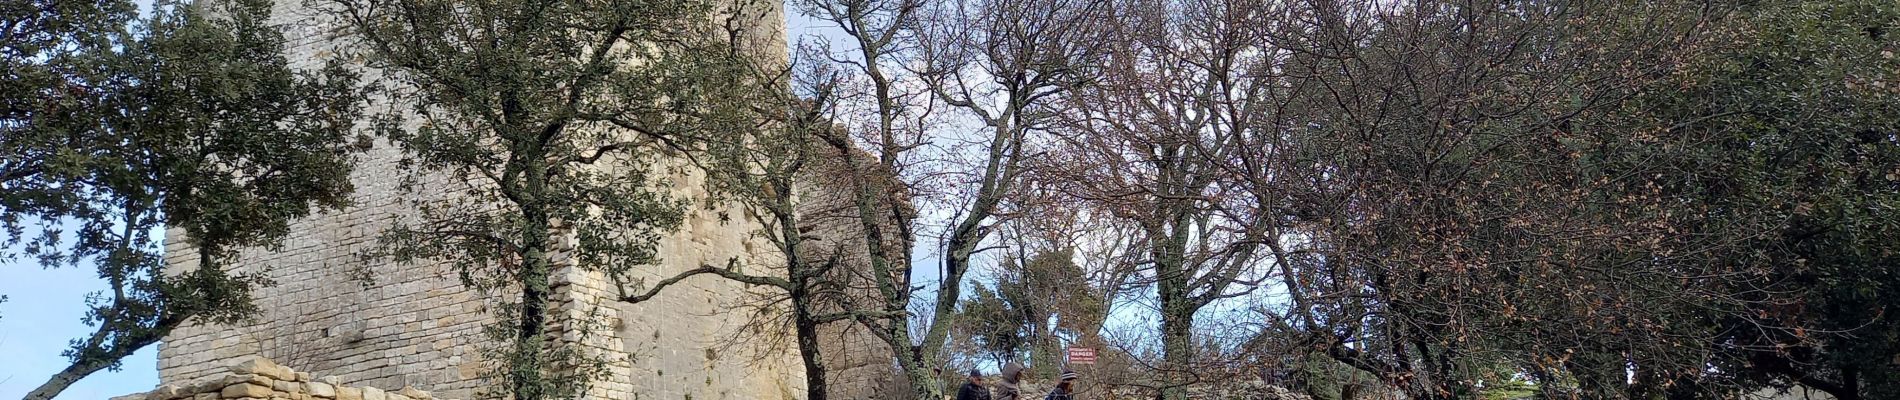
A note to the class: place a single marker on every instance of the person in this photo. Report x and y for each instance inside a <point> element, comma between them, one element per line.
<point>1064,390</point>
<point>974,390</point>
<point>1008,389</point>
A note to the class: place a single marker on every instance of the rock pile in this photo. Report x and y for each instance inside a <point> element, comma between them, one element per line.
<point>260,379</point>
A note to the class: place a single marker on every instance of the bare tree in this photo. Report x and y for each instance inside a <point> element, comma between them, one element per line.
<point>878,112</point>
<point>1002,64</point>
<point>1180,112</point>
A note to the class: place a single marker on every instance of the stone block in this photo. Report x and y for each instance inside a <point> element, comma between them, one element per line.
<point>349,393</point>
<point>229,380</point>
<point>321,389</point>
<point>260,366</point>
<point>166,392</point>
<point>413,393</point>
<point>245,390</point>
<point>371,393</point>
<point>205,386</point>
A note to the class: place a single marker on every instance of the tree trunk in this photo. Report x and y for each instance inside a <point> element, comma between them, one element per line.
<point>922,374</point>
<point>526,374</point>
<point>1046,351</point>
<point>98,358</point>
<point>950,289</point>
<point>1177,346</point>
<point>66,377</point>
<point>896,333</point>
<point>923,383</point>
<point>808,350</point>
<point>1177,307</point>
<point>1850,384</point>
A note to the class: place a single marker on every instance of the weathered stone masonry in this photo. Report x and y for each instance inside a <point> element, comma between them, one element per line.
<point>415,326</point>
<point>261,379</point>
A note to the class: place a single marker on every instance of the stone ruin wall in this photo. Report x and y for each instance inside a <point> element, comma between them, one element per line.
<point>416,326</point>
<point>261,379</point>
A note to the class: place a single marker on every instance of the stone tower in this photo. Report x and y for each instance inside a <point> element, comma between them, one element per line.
<point>416,325</point>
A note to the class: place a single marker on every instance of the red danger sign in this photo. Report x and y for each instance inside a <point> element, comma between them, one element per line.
<point>1081,355</point>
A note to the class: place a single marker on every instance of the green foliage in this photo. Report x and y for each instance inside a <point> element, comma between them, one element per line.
<point>55,43</point>
<point>992,326</point>
<point>1680,194</point>
<point>1326,379</point>
<point>1031,305</point>
<point>1510,389</point>
<point>1794,154</point>
<point>190,119</point>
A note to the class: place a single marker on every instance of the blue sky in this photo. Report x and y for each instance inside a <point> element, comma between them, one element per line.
<point>42,313</point>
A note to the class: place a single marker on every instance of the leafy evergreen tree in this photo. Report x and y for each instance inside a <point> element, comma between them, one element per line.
<point>539,127</point>
<point>192,119</point>
<point>1785,142</point>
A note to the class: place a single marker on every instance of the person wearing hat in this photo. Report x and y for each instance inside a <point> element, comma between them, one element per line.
<point>1009,387</point>
<point>974,389</point>
<point>1065,389</point>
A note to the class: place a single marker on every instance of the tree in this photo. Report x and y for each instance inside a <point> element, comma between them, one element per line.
<point>774,164</point>
<point>889,133</point>
<point>1785,140</point>
<point>1616,200</point>
<point>968,55</point>
<point>50,42</point>
<point>1453,234</point>
<point>1160,143</point>
<point>548,121</point>
<point>991,325</point>
<point>190,119</point>
<point>1002,64</point>
<point>1030,306</point>
<point>1587,194</point>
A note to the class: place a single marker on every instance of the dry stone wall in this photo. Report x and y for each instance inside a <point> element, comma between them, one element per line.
<point>260,379</point>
